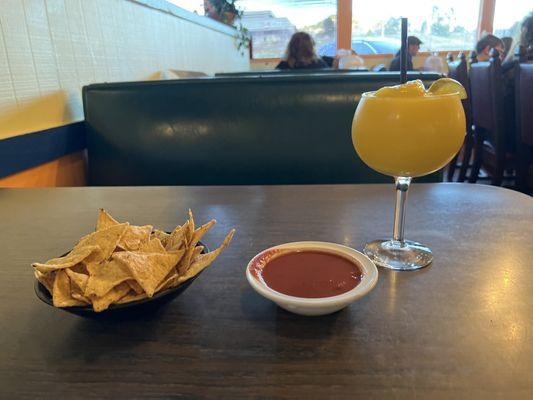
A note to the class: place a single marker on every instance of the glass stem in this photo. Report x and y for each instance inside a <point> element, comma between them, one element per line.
<point>402,185</point>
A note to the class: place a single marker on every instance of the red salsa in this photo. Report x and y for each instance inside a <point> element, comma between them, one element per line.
<point>311,274</point>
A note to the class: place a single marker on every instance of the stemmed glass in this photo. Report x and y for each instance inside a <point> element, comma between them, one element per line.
<point>406,134</point>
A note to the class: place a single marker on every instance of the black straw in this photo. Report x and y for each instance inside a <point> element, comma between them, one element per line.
<point>403,53</point>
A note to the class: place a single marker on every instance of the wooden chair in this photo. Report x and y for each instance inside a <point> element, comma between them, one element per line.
<point>449,57</point>
<point>523,75</point>
<point>473,57</point>
<point>491,129</point>
<point>458,70</point>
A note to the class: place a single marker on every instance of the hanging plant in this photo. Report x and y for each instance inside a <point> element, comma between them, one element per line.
<point>226,11</point>
<point>243,38</point>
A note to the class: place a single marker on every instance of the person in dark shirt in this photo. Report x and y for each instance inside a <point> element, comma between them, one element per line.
<point>330,61</point>
<point>300,54</point>
<point>486,44</point>
<point>413,46</point>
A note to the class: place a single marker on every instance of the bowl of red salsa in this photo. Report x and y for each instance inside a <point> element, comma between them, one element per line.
<point>312,278</point>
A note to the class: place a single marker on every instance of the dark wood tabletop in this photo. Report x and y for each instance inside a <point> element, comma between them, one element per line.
<point>461,328</point>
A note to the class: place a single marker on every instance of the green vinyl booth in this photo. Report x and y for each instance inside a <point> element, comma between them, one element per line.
<point>230,130</point>
<point>279,72</point>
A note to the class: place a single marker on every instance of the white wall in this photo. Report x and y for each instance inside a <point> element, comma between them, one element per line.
<point>50,49</point>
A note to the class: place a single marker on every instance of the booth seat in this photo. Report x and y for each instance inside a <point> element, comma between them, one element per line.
<point>230,130</point>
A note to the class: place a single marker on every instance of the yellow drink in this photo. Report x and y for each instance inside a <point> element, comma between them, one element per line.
<point>406,131</point>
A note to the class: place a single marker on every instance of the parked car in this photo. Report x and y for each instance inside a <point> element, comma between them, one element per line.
<point>363,46</point>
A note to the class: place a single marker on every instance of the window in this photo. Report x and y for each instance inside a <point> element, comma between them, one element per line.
<point>440,24</point>
<point>508,17</point>
<point>272,23</point>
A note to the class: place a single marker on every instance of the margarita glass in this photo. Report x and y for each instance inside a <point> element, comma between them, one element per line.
<point>405,131</point>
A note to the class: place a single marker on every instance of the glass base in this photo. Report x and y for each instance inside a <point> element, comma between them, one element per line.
<point>392,254</point>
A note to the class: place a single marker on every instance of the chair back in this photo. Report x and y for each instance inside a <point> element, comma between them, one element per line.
<point>524,98</point>
<point>472,57</point>
<point>458,70</point>
<point>486,94</point>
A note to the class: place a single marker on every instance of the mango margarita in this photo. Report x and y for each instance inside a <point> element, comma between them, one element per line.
<point>407,131</point>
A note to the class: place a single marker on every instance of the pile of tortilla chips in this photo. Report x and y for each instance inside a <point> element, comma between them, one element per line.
<point>120,263</point>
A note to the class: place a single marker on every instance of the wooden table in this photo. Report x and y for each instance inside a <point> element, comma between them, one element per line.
<point>462,328</point>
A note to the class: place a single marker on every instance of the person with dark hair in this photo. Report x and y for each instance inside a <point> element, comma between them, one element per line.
<point>526,33</point>
<point>413,46</point>
<point>486,44</point>
<point>300,54</point>
<point>524,38</point>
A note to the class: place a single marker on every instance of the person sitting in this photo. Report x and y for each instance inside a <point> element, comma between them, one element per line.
<point>413,46</point>
<point>300,53</point>
<point>525,39</point>
<point>330,61</point>
<point>486,44</point>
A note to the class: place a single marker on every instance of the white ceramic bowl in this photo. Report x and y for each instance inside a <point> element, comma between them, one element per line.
<point>312,306</point>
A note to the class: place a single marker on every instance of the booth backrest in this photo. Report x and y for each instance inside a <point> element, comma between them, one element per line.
<point>226,131</point>
<point>292,72</point>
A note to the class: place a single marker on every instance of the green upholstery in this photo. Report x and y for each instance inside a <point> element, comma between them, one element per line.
<point>224,131</point>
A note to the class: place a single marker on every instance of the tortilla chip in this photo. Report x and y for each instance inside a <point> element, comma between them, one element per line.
<point>201,231</point>
<point>47,279</point>
<point>191,227</point>
<point>197,251</point>
<point>106,239</point>
<point>80,268</point>
<point>135,236</point>
<point>177,238</point>
<point>76,289</point>
<point>105,277</point>
<point>204,260</point>
<point>77,279</point>
<point>81,298</point>
<point>113,296</point>
<point>132,296</point>
<point>76,256</point>
<point>61,294</point>
<point>153,246</point>
<point>135,286</point>
<point>105,220</point>
<point>191,247</point>
<point>170,281</point>
<point>78,283</point>
<point>162,236</point>
<point>148,269</point>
